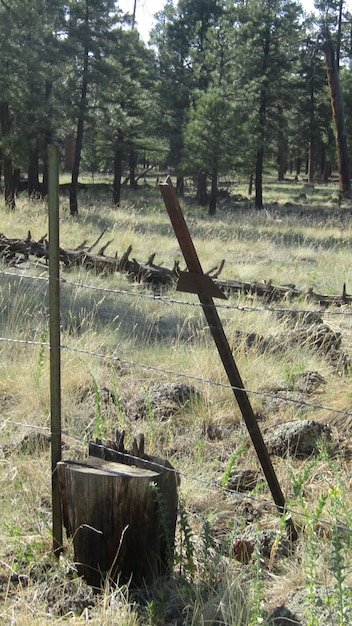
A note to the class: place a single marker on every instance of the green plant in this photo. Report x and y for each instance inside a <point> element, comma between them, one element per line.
<point>99,418</point>
<point>311,551</point>
<point>164,526</point>
<point>150,417</point>
<point>338,567</point>
<point>185,556</point>
<point>234,456</point>
<point>257,603</point>
<point>41,355</point>
<point>291,374</point>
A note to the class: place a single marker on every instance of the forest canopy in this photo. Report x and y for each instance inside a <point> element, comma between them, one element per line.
<point>223,87</point>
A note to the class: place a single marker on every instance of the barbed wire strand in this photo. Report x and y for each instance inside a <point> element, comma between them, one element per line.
<point>273,396</point>
<point>344,312</point>
<point>203,481</point>
<point>180,374</point>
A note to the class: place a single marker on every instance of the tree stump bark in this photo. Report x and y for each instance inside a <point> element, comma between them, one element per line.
<point>122,519</point>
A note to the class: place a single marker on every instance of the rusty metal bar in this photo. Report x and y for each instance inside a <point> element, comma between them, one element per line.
<point>190,255</point>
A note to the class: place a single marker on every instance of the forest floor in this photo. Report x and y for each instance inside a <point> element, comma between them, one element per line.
<point>143,362</point>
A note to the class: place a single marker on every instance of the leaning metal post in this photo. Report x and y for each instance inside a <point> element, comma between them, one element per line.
<point>195,281</point>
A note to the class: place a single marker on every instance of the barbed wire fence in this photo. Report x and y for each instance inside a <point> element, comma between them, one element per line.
<point>178,375</point>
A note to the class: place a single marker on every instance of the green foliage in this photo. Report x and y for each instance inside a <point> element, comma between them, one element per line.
<point>99,418</point>
<point>41,355</point>
<point>185,555</point>
<point>292,374</point>
<point>234,456</point>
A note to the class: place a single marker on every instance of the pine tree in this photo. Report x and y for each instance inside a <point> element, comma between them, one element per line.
<point>269,38</point>
<point>90,36</point>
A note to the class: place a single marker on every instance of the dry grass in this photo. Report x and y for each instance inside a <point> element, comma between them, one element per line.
<point>129,342</point>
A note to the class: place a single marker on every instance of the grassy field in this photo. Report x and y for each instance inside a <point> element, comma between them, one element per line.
<point>121,342</point>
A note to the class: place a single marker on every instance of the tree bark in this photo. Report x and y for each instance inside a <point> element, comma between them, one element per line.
<point>339,35</point>
<point>122,519</point>
<point>260,150</point>
<point>116,189</point>
<point>6,158</point>
<point>202,188</point>
<point>80,125</point>
<point>180,185</point>
<point>47,141</point>
<point>213,191</point>
<point>281,147</point>
<point>259,178</point>
<point>311,147</point>
<point>338,114</point>
<point>133,162</point>
<point>33,172</point>
<point>69,152</point>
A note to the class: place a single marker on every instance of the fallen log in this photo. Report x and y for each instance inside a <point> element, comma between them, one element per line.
<point>273,293</point>
<point>16,251</point>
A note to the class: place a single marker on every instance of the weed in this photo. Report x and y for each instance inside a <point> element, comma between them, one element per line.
<point>41,355</point>
<point>185,556</point>
<point>234,456</point>
<point>257,603</point>
<point>99,419</point>
<point>291,374</point>
<point>165,535</point>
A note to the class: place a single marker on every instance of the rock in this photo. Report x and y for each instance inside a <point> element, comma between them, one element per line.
<point>303,600</point>
<point>298,438</point>
<point>242,479</point>
<point>309,381</point>
<point>161,401</point>
<point>281,616</point>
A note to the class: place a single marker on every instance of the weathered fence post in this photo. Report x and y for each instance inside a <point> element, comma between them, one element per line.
<point>55,366</point>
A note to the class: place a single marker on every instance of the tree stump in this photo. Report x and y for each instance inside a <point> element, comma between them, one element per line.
<point>122,519</point>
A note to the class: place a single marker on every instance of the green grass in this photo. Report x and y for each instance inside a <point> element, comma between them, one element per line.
<point>130,342</point>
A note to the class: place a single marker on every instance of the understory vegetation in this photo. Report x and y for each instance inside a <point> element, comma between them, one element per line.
<point>122,345</point>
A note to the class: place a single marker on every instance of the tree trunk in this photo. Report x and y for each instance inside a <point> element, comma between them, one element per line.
<point>16,176</point>
<point>122,518</point>
<point>69,152</point>
<point>260,151</point>
<point>250,185</point>
<point>259,178</point>
<point>214,191</point>
<point>33,172</point>
<point>133,163</point>
<point>7,161</point>
<point>202,189</point>
<point>48,136</point>
<point>339,35</point>
<point>281,160</point>
<point>262,126</point>
<point>281,147</point>
<point>338,115</point>
<point>80,126</point>
<point>298,166</point>
<point>311,147</point>
<point>180,185</point>
<point>116,188</point>
<point>311,160</point>
<point>326,171</point>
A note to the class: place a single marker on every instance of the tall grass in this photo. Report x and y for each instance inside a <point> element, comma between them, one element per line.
<point>128,343</point>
